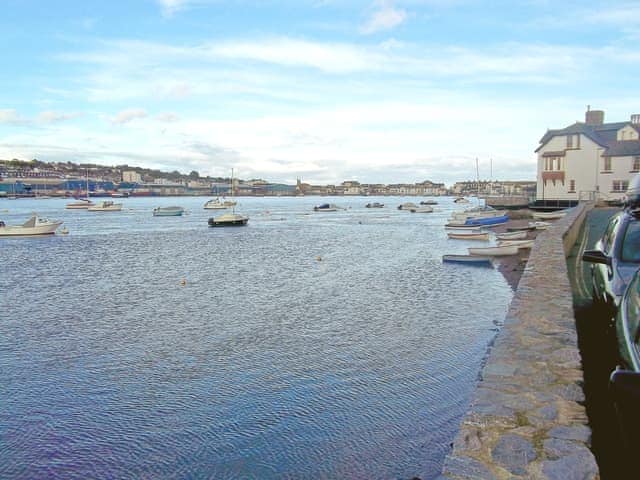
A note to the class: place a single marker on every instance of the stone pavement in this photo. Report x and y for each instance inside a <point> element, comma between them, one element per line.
<point>526,418</point>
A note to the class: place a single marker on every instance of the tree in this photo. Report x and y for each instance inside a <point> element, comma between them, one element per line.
<point>194,175</point>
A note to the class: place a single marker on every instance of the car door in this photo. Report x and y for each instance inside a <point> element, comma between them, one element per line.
<point>603,274</point>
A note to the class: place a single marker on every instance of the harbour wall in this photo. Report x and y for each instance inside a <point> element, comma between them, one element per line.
<point>527,417</point>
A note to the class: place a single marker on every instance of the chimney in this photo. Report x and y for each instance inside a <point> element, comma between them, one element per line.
<point>635,118</point>
<point>594,117</point>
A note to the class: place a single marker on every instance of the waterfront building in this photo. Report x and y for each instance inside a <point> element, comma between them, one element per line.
<point>589,160</point>
<point>131,177</point>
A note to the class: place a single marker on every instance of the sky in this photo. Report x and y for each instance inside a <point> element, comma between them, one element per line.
<point>378,91</point>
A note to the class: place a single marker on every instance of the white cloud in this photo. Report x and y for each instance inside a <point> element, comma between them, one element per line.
<point>126,116</point>
<point>386,17</point>
<point>10,116</point>
<point>170,7</point>
<point>50,116</point>
<point>167,117</point>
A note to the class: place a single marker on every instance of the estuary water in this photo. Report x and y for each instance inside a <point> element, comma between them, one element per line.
<point>304,345</point>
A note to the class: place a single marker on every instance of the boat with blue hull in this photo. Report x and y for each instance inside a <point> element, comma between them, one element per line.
<point>473,260</point>
<point>487,221</point>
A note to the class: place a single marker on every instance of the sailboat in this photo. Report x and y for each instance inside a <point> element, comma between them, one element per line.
<point>81,203</point>
<point>232,219</point>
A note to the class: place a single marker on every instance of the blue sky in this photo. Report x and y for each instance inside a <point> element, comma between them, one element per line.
<point>326,90</point>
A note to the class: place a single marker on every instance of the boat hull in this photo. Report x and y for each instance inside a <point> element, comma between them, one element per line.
<point>47,229</point>
<point>494,251</point>
<point>487,221</point>
<point>228,223</point>
<point>548,215</point>
<point>517,235</point>
<point>473,260</point>
<point>168,211</point>
<point>468,236</point>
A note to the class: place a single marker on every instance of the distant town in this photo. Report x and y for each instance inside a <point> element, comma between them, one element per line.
<point>37,178</point>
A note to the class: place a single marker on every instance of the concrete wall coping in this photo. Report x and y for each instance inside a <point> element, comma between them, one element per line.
<point>526,418</point>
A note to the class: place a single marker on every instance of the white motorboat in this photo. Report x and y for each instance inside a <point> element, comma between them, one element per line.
<point>468,236</point>
<point>215,204</point>
<point>168,211</point>
<point>518,235</point>
<point>326,207</point>
<point>105,206</point>
<point>516,243</point>
<point>407,206</point>
<point>549,215</point>
<point>422,209</point>
<point>494,251</point>
<point>80,204</point>
<point>34,226</point>
<point>461,200</point>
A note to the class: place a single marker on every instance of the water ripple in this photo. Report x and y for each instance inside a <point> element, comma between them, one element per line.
<point>302,346</point>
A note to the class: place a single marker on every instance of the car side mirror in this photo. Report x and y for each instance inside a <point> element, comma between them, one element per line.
<point>624,386</point>
<point>596,256</point>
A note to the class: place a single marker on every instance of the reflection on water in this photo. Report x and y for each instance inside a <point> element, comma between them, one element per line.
<point>305,345</point>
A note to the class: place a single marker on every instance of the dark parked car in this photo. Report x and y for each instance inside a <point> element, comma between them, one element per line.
<point>625,381</point>
<point>616,258</point>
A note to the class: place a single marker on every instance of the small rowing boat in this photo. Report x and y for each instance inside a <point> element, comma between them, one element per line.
<point>469,236</point>
<point>516,243</point>
<point>474,260</point>
<point>517,235</point>
<point>494,251</point>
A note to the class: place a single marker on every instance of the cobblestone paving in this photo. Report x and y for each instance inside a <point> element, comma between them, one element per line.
<point>527,418</point>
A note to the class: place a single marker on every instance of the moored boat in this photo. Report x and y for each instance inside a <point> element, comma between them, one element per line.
<point>407,206</point>
<point>539,225</point>
<point>517,235</point>
<point>422,209</point>
<point>461,200</point>
<point>475,260</point>
<point>215,204</point>
<point>34,226</point>
<point>232,219</point>
<point>516,243</point>
<point>428,202</point>
<point>168,211</point>
<point>326,207</point>
<point>494,251</point>
<point>105,206</point>
<point>468,236</point>
<point>487,221</point>
<point>229,220</point>
<point>80,204</point>
<point>549,215</point>
<point>375,205</point>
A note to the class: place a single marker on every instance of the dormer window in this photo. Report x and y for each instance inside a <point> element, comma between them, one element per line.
<point>573,141</point>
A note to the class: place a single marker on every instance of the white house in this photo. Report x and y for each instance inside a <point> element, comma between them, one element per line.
<point>590,160</point>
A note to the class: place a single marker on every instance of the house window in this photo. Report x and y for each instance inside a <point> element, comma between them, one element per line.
<point>573,141</point>
<point>635,164</point>
<point>607,164</point>
<point>572,186</point>
<point>620,185</point>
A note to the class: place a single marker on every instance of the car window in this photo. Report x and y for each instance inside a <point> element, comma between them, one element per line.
<point>631,243</point>
<point>633,310</point>
<point>607,238</point>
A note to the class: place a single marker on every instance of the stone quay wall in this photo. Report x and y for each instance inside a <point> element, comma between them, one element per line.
<point>527,418</point>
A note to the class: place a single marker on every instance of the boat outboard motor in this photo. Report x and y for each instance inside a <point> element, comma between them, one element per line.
<point>633,194</point>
